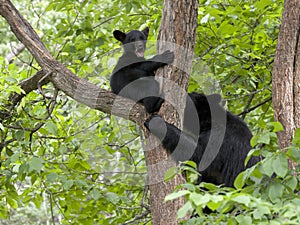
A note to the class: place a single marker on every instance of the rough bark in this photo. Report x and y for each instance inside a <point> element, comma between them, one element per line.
<point>177,32</point>
<point>286,74</point>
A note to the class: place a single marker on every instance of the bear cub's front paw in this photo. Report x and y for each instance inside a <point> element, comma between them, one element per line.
<point>167,57</point>
<point>155,124</point>
<point>147,122</point>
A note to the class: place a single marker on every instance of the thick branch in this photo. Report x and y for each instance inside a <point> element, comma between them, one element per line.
<point>62,78</point>
<point>27,85</point>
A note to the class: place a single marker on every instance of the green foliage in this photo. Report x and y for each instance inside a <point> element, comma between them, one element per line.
<point>236,40</point>
<point>80,166</point>
<point>265,194</point>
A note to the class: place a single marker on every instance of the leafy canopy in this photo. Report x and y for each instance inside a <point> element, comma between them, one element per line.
<point>80,166</point>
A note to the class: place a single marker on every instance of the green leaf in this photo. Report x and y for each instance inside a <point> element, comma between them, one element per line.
<point>184,210</point>
<point>17,89</point>
<point>191,164</point>
<point>261,211</point>
<point>23,169</point>
<point>275,192</point>
<point>51,177</point>
<point>19,135</point>
<point>294,153</point>
<point>175,195</point>
<point>37,201</point>
<point>262,4</point>
<point>112,197</point>
<point>81,183</point>
<point>85,165</point>
<point>171,172</point>
<point>254,140</point>
<point>267,166</point>
<point>280,165</point>
<point>215,202</point>
<point>209,186</point>
<point>12,202</point>
<point>252,152</point>
<point>9,152</point>
<point>296,139</point>
<point>277,126</point>
<point>243,219</point>
<point>264,138</point>
<point>292,182</point>
<point>128,7</point>
<point>68,184</point>
<point>4,213</point>
<point>242,199</point>
<point>188,186</point>
<point>95,194</point>
<point>51,127</point>
<point>36,164</point>
<point>199,199</point>
<point>240,180</point>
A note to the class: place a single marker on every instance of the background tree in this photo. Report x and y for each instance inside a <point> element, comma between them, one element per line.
<point>286,75</point>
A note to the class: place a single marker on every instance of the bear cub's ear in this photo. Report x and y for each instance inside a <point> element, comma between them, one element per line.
<point>146,31</point>
<point>214,98</point>
<point>119,35</point>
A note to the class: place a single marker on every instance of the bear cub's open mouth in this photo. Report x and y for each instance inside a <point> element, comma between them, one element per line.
<point>140,52</point>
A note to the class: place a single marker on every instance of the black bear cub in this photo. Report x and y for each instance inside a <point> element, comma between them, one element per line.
<point>133,76</point>
<point>216,125</point>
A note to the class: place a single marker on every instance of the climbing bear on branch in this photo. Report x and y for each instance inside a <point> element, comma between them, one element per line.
<point>214,138</point>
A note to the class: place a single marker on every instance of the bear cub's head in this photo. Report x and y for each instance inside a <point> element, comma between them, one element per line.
<point>134,42</point>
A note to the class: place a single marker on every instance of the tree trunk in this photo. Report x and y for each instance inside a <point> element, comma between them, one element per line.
<point>177,33</point>
<point>286,74</point>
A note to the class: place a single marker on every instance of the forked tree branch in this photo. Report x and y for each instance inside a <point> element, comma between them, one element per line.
<point>62,78</point>
<point>178,26</point>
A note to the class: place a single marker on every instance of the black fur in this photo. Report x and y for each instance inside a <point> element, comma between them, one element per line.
<point>132,66</point>
<point>216,126</point>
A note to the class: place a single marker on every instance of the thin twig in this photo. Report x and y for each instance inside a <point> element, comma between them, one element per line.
<point>254,107</point>
<point>138,217</point>
<point>40,84</point>
<point>4,144</point>
<point>15,51</point>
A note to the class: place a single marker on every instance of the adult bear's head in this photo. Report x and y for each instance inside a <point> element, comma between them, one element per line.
<point>200,110</point>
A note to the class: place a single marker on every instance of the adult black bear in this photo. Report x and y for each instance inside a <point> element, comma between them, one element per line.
<point>220,145</point>
<point>133,76</point>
